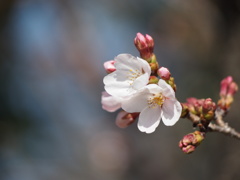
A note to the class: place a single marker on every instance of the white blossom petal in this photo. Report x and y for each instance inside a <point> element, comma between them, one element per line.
<point>117,85</point>
<point>149,119</point>
<point>153,102</point>
<point>171,112</point>
<point>154,89</point>
<point>141,81</point>
<point>127,61</point>
<point>167,90</point>
<point>110,103</point>
<point>123,57</point>
<point>137,102</point>
<point>131,74</point>
<point>144,65</point>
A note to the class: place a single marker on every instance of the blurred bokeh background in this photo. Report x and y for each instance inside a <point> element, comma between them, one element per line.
<point>52,126</point>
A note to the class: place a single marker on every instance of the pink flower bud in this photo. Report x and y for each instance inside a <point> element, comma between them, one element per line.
<point>140,41</point>
<point>144,44</point>
<point>208,111</point>
<point>150,42</point>
<point>188,149</point>
<point>109,66</point>
<point>124,119</point>
<point>233,88</point>
<point>208,105</point>
<point>164,73</point>
<point>195,105</point>
<point>190,141</point>
<point>227,90</point>
<point>224,85</point>
<point>192,100</point>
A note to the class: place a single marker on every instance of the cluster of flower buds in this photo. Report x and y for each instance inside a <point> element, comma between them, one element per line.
<point>145,46</point>
<point>194,105</point>
<point>190,141</point>
<point>208,109</point>
<point>227,90</point>
<point>203,108</point>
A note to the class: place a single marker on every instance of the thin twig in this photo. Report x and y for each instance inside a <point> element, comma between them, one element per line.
<point>219,113</point>
<point>218,126</point>
<point>225,129</point>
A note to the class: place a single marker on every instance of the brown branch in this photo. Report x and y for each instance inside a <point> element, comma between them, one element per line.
<point>221,126</point>
<point>218,126</point>
<point>225,129</point>
<point>219,113</point>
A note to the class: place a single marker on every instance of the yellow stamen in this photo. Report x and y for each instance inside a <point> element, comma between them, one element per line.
<point>132,75</point>
<point>156,100</point>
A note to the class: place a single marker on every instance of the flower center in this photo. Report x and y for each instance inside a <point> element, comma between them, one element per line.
<point>134,74</point>
<point>156,100</point>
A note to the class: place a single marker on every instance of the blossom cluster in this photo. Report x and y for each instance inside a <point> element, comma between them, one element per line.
<point>144,90</point>
<point>203,108</point>
<point>190,141</point>
<point>133,86</point>
<point>207,115</point>
<point>227,90</point>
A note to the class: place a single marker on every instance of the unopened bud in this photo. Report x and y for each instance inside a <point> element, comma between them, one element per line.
<point>195,105</point>
<point>145,45</point>
<point>188,149</point>
<point>164,73</point>
<point>154,67</point>
<point>171,82</point>
<point>192,100</point>
<point>233,88</point>
<point>124,119</point>
<point>153,80</point>
<point>208,110</point>
<point>192,109</point>
<point>199,137</point>
<point>208,105</point>
<point>227,90</point>
<point>190,141</point>
<point>109,66</point>
<point>224,85</point>
<point>140,41</point>
<point>187,139</point>
<point>150,42</point>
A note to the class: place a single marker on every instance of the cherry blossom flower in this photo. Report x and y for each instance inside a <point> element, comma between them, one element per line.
<point>154,102</point>
<point>110,103</point>
<point>132,73</point>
